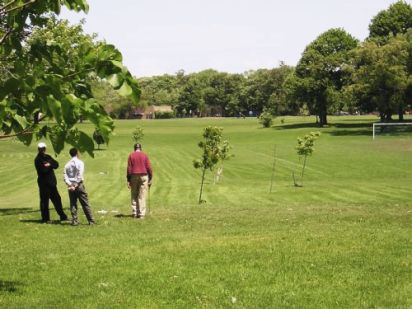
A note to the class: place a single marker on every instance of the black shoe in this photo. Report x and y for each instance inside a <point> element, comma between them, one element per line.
<point>64,219</point>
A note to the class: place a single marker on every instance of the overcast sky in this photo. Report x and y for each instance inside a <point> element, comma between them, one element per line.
<point>164,36</point>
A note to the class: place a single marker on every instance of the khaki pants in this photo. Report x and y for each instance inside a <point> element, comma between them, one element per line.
<point>138,189</point>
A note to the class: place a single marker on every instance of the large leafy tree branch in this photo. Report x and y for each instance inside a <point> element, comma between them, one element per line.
<point>46,70</point>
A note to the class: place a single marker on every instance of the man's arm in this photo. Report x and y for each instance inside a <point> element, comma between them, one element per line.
<point>149,170</point>
<point>53,163</point>
<point>128,170</point>
<point>42,166</point>
<point>80,170</point>
<point>66,177</point>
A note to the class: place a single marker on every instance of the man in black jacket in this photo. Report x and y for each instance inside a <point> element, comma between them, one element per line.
<point>47,182</point>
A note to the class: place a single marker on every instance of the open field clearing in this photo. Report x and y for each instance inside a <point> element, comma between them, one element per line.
<point>343,240</point>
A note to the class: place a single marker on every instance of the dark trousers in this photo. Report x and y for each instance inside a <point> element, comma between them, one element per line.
<point>81,195</point>
<point>50,192</point>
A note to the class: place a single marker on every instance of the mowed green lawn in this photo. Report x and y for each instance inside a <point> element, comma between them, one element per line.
<point>343,240</point>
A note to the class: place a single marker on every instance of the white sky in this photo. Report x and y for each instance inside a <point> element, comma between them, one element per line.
<point>164,36</point>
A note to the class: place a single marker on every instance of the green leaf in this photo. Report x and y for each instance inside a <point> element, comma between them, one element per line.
<point>22,121</point>
<point>55,107</point>
<point>119,64</point>
<point>12,85</point>
<point>70,109</point>
<point>115,80</point>
<point>86,144</point>
<point>57,137</point>
<point>2,110</point>
<point>125,90</point>
<point>25,138</point>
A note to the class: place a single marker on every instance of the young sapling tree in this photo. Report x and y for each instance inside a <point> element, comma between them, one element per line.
<point>266,119</point>
<point>98,138</point>
<point>137,135</point>
<point>304,149</point>
<point>214,150</point>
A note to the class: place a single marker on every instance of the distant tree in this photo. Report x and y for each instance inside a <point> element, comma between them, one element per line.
<point>320,75</point>
<point>117,106</point>
<point>382,76</point>
<point>214,151</point>
<point>98,138</point>
<point>190,97</point>
<point>397,19</point>
<point>160,90</point>
<point>263,89</point>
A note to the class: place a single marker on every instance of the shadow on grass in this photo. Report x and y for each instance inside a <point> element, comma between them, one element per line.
<point>15,211</point>
<point>334,129</point>
<point>123,216</point>
<point>9,286</point>
<point>296,126</point>
<point>37,221</point>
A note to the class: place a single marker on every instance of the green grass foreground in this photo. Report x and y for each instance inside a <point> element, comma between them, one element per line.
<point>343,240</point>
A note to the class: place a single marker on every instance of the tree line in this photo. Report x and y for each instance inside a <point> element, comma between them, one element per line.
<point>50,69</point>
<point>336,73</point>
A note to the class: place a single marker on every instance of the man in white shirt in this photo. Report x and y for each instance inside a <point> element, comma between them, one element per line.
<point>73,177</point>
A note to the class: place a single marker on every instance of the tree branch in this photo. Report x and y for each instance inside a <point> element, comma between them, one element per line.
<point>19,7</point>
<point>4,7</point>
<point>76,73</point>
<point>7,5</point>
<point>5,36</point>
<point>24,132</point>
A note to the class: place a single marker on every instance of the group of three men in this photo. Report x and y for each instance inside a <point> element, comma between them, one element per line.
<point>139,179</point>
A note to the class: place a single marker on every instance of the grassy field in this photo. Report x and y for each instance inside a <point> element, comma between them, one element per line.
<point>343,240</point>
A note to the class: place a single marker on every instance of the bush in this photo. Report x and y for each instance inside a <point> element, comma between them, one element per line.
<point>164,115</point>
<point>266,119</point>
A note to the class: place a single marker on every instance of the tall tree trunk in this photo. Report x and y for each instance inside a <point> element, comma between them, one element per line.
<point>323,118</point>
<point>400,113</point>
<point>303,168</point>
<point>323,114</point>
<point>388,117</point>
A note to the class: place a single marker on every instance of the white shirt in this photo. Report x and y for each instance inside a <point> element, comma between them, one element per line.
<point>73,171</point>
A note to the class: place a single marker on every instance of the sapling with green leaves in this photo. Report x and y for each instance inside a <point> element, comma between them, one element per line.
<point>98,138</point>
<point>137,135</point>
<point>266,119</point>
<point>304,149</point>
<point>215,150</point>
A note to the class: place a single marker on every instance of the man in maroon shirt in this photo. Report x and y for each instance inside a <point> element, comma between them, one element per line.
<point>139,178</point>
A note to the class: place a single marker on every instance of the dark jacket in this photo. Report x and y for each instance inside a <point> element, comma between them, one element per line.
<point>45,173</point>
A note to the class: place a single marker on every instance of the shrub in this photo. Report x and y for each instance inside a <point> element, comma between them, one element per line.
<point>266,119</point>
<point>164,115</point>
